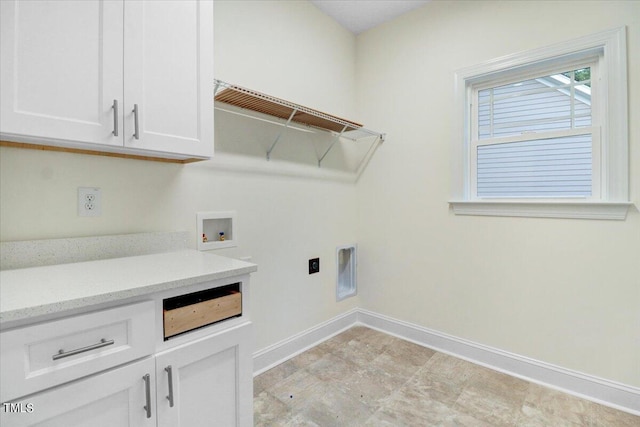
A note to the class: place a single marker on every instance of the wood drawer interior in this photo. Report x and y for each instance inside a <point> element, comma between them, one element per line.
<point>185,313</point>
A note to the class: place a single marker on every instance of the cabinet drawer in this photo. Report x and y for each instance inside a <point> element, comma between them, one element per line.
<point>191,311</point>
<point>37,357</point>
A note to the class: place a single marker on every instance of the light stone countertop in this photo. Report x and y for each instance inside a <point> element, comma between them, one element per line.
<point>33,292</point>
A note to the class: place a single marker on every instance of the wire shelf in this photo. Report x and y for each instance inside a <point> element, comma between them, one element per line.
<point>258,102</point>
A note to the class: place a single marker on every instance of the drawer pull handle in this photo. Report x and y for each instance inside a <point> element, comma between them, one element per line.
<point>147,394</point>
<point>170,396</point>
<point>62,354</point>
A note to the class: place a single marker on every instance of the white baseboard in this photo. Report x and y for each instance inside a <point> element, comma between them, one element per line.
<point>282,351</point>
<point>609,393</point>
<point>589,387</point>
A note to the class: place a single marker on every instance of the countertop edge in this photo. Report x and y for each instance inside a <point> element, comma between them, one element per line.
<point>24,314</point>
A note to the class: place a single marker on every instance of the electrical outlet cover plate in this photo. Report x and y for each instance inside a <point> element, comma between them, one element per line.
<point>314,265</point>
<point>89,201</point>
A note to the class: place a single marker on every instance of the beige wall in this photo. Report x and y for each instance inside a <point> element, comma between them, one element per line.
<point>283,221</point>
<point>561,291</point>
<point>566,292</point>
<point>288,49</point>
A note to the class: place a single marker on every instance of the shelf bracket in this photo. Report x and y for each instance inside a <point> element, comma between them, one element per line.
<point>337,138</point>
<point>286,125</point>
<point>216,87</point>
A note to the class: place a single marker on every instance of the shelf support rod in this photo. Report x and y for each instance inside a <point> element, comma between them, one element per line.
<point>337,138</point>
<point>367,157</point>
<point>286,125</point>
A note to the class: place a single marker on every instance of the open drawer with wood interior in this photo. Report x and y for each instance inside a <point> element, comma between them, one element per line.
<point>191,311</point>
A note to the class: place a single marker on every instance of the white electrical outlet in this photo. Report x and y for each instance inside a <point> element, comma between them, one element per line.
<point>89,201</point>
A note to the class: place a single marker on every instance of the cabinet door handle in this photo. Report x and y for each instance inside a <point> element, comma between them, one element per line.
<point>62,354</point>
<point>114,107</point>
<point>147,392</point>
<point>170,396</point>
<point>136,134</point>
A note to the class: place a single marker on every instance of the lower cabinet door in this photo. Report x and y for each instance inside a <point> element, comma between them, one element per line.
<point>208,382</point>
<point>115,398</point>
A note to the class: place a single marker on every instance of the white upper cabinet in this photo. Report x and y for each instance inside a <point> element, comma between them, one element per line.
<point>134,77</point>
<point>168,69</point>
<point>61,69</point>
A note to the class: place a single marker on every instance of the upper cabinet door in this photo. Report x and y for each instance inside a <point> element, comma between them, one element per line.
<point>61,70</point>
<point>168,65</point>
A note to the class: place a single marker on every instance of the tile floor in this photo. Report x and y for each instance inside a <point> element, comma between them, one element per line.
<point>362,377</point>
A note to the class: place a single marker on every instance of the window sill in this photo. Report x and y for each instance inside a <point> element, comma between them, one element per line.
<point>543,209</point>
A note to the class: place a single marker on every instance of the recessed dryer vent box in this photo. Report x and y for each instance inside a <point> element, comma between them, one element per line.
<point>217,230</point>
<point>346,265</point>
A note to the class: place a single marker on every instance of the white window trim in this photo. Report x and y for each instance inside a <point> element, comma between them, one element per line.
<point>614,202</point>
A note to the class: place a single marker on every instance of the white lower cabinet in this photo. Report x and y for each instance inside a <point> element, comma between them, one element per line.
<point>113,398</point>
<point>207,382</point>
<point>41,356</point>
<point>112,366</point>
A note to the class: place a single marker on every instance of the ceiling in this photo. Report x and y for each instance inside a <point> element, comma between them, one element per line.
<point>360,15</point>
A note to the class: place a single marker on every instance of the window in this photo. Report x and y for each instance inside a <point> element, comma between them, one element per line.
<point>545,132</point>
<point>536,137</point>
